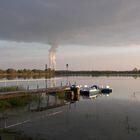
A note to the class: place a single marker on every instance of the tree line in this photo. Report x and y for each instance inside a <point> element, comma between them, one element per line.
<point>10,72</point>
<point>37,73</point>
<point>99,73</point>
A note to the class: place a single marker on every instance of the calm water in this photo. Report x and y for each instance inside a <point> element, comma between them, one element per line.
<point>114,117</point>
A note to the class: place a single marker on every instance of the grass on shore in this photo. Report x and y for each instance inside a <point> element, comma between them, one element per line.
<point>14,102</point>
<point>11,88</point>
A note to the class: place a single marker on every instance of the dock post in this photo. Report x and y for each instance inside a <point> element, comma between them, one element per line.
<point>37,87</point>
<point>27,87</point>
<point>76,91</point>
<point>47,100</point>
<point>46,82</point>
<point>77,94</point>
<point>70,95</point>
<point>17,88</point>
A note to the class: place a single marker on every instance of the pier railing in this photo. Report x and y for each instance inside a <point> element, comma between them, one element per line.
<point>29,86</point>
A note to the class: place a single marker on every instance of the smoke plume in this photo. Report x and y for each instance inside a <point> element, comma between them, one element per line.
<point>52,56</point>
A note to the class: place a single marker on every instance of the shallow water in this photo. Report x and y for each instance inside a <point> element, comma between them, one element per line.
<point>113,117</point>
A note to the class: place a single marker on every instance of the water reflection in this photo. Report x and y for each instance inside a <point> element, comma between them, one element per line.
<point>39,102</point>
<point>128,127</point>
<point>32,83</point>
<point>47,101</point>
<point>61,117</point>
<point>95,97</point>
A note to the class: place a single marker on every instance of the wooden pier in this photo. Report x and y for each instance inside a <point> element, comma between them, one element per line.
<point>11,94</point>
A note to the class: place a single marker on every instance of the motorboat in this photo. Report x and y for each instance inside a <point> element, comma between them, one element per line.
<point>92,91</point>
<point>106,90</point>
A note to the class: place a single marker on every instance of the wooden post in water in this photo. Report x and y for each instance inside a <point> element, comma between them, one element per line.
<point>28,86</point>
<point>70,95</point>
<point>39,102</point>
<point>47,100</point>
<point>76,91</point>
<point>37,85</point>
<point>17,85</point>
<point>61,84</point>
<point>67,67</point>
<point>46,82</point>
<point>77,94</point>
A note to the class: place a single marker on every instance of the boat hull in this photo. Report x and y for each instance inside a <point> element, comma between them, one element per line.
<point>90,93</point>
<point>106,90</point>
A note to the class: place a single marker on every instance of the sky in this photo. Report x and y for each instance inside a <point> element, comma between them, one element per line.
<point>88,34</point>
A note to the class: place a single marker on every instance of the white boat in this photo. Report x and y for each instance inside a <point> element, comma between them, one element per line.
<point>90,91</point>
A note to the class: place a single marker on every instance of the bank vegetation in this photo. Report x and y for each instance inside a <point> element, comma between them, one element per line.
<point>11,73</point>
<point>36,73</point>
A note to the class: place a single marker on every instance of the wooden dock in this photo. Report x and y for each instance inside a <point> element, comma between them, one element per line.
<point>11,94</point>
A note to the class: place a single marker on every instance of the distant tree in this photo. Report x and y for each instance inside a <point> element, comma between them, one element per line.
<point>135,69</point>
<point>11,71</point>
<point>1,71</point>
<point>37,71</point>
<point>20,71</point>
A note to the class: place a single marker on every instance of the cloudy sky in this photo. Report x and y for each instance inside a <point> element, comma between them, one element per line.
<point>90,34</point>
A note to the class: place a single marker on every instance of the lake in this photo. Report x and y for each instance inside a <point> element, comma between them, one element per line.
<point>113,117</point>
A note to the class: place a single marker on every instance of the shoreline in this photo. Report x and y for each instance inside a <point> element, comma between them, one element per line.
<point>10,76</point>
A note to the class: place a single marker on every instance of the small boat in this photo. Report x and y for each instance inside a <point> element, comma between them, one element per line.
<point>106,90</point>
<point>92,91</point>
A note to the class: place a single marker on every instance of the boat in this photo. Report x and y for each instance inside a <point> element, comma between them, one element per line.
<point>92,91</point>
<point>106,90</point>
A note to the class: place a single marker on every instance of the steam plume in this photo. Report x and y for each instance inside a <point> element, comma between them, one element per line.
<point>52,56</point>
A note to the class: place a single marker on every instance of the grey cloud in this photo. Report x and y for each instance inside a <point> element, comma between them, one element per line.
<point>92,22</point>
